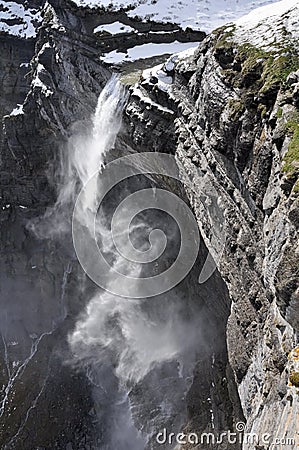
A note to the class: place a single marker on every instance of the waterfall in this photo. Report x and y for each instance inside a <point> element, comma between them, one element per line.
<point>86,153</point>
<point>122,342</point>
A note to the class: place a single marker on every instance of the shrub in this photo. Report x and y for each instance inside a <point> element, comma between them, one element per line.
<point>294,379</point>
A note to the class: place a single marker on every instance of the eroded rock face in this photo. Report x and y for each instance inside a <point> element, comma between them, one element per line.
<point>232,105</point>
<point>63,82</point>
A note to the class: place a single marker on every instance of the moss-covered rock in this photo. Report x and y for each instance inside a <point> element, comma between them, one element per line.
<point>291,159</point>
<point>294,379</point>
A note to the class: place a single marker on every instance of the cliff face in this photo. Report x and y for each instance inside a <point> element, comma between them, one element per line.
<point>43,402</point>
<point>234,110</point>
<point>228,112</point>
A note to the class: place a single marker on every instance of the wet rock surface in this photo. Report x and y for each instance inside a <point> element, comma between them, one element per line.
<point>231,135</point>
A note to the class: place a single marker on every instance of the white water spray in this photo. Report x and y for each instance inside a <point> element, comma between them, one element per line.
<point>137,337</point>
<point>119,341</point>
<point>86,155</point>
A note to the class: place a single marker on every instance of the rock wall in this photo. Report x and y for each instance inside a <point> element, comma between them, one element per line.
<point>44,402</point>
<point>228,114</point>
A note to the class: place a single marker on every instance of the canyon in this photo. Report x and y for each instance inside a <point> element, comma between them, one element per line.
<point>81,368</point>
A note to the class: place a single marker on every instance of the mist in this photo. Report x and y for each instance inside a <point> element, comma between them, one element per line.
<point>119,342</point>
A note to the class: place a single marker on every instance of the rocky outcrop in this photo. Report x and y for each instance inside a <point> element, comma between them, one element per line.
<point>61,87</point>
<point>233,110</point>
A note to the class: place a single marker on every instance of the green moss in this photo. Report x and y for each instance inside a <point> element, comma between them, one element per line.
<point>271,74</point>
<point>48,15</point>
<point>260,74</point>
<point>248,54</point>
<point>236,108</point>
<point>274,69</point>
<point>223,35</point>
<point>294,379</point>
<point>131,78</point>
<point>262,110</point>
<point>250,60</point>
<point>291,158</point>
<point>264,71</point>
<point>277,69</point>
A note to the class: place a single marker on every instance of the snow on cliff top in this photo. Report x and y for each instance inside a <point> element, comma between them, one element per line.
<point>266,12</point>
<point>270,27</point>
<point>204,15</point>
<point>18,20</point>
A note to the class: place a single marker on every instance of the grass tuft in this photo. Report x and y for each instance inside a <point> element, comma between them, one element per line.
<point>294,379</point>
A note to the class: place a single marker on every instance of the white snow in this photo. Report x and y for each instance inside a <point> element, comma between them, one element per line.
<point>138,93</point>
<point>46,45</point>
<point>25,19</point>
<point>17,111</point>
<point>114,57</point>
<point>177,57</point>
<point>56,25</point>
<point>161,71</point>
<point>204,15</point>
<point>36,82</point>
<point>164,80</point>
<point>114,28</point>
<point>266,12</point>
<point>147,51</point>
<point>270,27</point>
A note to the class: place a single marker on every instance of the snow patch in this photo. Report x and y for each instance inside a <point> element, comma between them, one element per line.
<point>270,27</point>
<point>144,99</point>
<point>36,82</point>
<point>18,20</point>
<point>56,25</point>
<point>114,28</point>
<point>266,12</point>
<point>146,51</point>
<point>204,15</point>
<point>17,111</point>
<point>46,45</point>
<point>161,71</point>
<point>164,80</point>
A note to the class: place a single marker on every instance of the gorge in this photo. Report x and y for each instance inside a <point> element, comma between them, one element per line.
<point>81,366</point>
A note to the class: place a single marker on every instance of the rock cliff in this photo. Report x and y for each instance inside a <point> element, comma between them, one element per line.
<point>229,113</point>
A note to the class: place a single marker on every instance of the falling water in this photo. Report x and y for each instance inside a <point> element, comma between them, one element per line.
<point>122,342</point>
<point>86,154</point>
